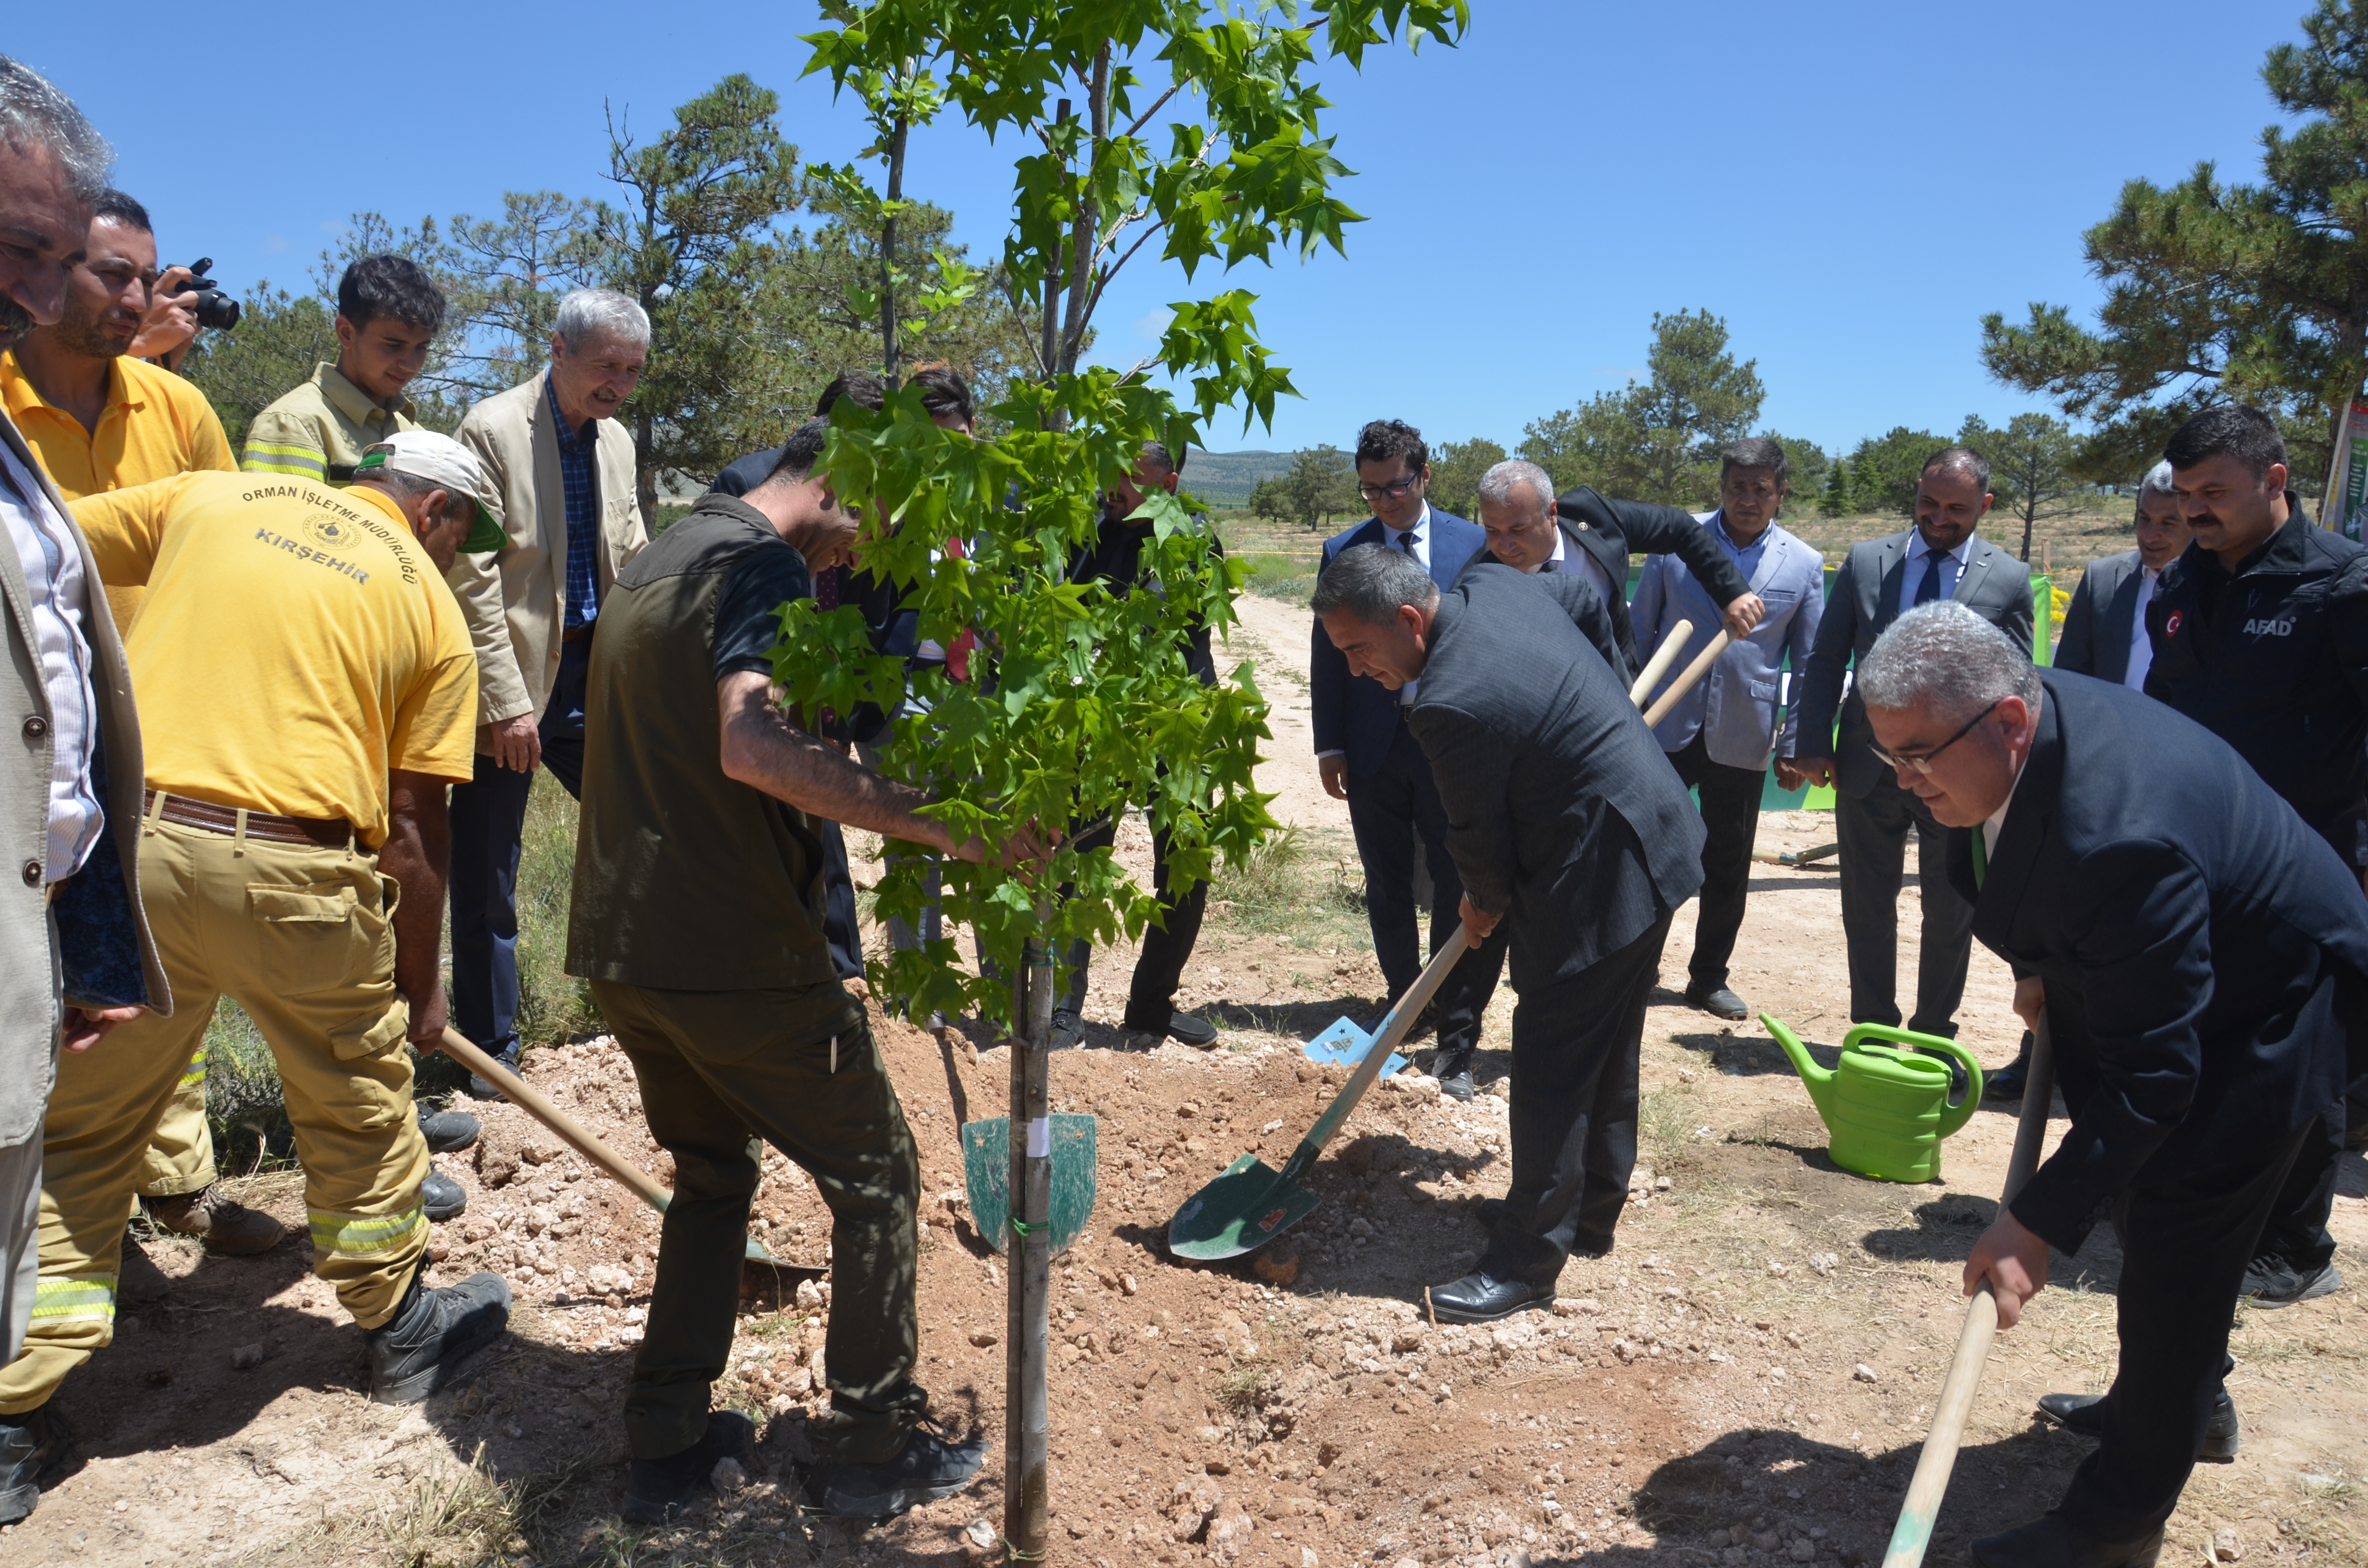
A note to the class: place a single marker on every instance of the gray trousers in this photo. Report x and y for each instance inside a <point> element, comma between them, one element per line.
<point>20,1238</point>
<point>1874,835</point>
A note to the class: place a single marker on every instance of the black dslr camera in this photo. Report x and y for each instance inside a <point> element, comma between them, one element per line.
<point>212,308</point>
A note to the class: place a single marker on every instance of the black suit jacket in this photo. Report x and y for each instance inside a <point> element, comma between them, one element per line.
<point>1611,531</point>
<point>1863,603</point>
<point>2103,618</point>
<point>1561,813</point>
<point>2203,948</point>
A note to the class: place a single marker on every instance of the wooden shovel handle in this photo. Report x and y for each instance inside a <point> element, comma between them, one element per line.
<point>1922,1505</point>
<point>1685,683</point>
<point>518,1091</point>
<point>1673,643</point>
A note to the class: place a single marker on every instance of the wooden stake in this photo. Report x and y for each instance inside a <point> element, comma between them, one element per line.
<point>1930,1482</point>
<point>1027,1486</point>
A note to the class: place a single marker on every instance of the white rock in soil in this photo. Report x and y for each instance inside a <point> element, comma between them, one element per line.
<point>1863,1372</point>
<point>2227,1545</point>
<point>979,1536</point>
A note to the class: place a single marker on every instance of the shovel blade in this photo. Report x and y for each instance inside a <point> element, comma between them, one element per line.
<point>1344,1045</point>
<point>987,1174</point>
<point>1240,1212</point>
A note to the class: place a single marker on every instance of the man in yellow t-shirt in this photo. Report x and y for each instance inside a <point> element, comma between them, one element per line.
<point>308,691</point>
<point>99,419</point>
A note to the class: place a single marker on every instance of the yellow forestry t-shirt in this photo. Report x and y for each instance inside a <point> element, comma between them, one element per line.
<point>295,644</point>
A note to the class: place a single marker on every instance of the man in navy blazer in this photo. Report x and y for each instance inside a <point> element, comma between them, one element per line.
<point>1721,733</point>
<point>1940,558</point>
<point>1368,758</point>
<point>2105,629</point>
<point>2202,959</point>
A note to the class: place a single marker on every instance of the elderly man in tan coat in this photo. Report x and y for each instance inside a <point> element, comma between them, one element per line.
<point>75,958</point>
<point>565,466</point>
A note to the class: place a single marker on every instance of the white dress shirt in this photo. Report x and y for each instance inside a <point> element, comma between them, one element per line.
<point>1414,542</point>
<point>52,558</point>
<point>1588,567</point>
<point>2141,645</point>
<point>1919,561</point>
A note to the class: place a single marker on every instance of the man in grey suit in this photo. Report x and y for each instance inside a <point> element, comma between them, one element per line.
<point>1565,824</point>
<point>1940,558</point>
<point>1719,735</point>
<point>2105,629</point>
<point>74,955</point>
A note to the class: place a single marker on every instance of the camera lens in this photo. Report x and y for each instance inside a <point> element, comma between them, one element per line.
<point>216,310</point>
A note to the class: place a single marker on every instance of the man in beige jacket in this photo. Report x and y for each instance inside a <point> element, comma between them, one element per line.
<point>565,466</point>
<point>75,957</point>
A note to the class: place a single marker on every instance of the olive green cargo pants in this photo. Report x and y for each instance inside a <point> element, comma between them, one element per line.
<point>799,1070</point>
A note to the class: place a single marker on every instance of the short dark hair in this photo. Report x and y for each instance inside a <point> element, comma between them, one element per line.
<point>865,389</point>
<point>1754,451</point>
<point>943,391</point>
<point>800,451</point>
<point>1383,439</point>
<point>2243,433</point>
<point>392,286</point>
<point>115,205</point>
<point>1157,454</point>
<point>1964,457</point>
<point>1371,582</point>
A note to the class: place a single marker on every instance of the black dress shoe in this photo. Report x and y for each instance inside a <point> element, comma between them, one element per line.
<point>1452,1068</point>
<point>2048,1541</point>
<point>2006,1083</point>
<point>481,1089</point>
<point>1481,1297</point>
<point>2084,1415</point>
<point>1166,1023</point>
<point>1717,1001</point>
<point>1068,1030</point>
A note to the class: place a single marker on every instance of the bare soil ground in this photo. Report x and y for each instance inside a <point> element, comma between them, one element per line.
<point>1745,1381</point>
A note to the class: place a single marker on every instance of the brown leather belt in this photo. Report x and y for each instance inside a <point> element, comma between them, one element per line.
<point>581,633</point>
<point>269,827</point>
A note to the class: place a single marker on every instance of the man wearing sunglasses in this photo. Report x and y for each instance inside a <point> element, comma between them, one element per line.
<point>1369,758</point>
<point>2200,956</point>
<point>1940,559</point>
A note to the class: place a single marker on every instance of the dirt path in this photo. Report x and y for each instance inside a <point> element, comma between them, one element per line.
<point>1744,1383</point>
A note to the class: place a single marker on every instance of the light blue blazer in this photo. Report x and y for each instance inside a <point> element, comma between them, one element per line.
<point>1736,703</point>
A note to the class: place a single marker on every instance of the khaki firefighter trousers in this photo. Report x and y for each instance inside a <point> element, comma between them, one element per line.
<point>301,937</point>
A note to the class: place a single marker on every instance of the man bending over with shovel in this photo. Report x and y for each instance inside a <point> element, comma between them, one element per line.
<point>697,919</point>
<point>1564,819</point>
<point>2198,954</point>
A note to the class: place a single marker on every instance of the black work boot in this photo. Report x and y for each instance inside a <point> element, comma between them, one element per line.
<point>929,1468</point>
<point>35,1444</point>
<point>415,1352</point>
<point>657,1490</point>
<point>508,1056</point>
<point>441,1196</point>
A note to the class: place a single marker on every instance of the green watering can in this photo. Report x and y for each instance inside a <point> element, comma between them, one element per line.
<point>1887,1108</point>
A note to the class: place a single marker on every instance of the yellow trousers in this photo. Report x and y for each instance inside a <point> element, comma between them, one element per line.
<point>299,936</point>
<point>180,1156</point>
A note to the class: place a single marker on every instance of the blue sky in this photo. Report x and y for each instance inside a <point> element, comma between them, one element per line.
<point>1849,186</point>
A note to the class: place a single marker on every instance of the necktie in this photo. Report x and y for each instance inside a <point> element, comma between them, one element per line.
<point>1929,590</point>
<point>1981,856</point>
<point>1406,541</point>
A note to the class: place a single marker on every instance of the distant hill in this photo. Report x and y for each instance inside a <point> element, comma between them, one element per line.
<point>1225,479</point>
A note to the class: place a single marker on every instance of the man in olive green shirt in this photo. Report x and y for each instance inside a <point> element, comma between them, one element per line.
<point>388,312</point>
<point>697,918</point>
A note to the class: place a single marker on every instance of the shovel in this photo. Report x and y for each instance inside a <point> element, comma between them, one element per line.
<point>1252,1203</point>
<point>516,1090</point>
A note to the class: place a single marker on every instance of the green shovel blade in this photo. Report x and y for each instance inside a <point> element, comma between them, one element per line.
<point>986,1172</point>
<point>1240,1212</point>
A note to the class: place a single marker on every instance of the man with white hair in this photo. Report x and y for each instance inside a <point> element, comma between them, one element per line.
<point>2200,956</point>
<point>75,957</point>
<point>565,463</point>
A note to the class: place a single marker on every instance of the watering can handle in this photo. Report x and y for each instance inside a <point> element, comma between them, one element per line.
<point>1952,1117</point>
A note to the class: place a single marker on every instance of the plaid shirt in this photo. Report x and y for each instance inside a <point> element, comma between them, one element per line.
<point>579,480</point>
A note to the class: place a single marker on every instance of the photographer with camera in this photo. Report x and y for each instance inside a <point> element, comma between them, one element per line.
<point>182,302</point>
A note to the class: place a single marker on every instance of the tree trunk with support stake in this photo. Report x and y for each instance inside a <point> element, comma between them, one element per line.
<point>1027,1486</point>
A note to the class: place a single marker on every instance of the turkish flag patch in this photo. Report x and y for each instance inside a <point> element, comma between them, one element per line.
<point>2173,621</point>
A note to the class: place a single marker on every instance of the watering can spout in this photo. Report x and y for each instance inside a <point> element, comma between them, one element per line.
<point>1819,1082</point>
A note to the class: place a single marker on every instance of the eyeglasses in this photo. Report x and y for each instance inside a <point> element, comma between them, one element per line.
<point>1395,489</point>
<point>1923,763</point>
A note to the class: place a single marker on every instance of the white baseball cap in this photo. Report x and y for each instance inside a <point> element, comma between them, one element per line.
<point>443,461</point>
